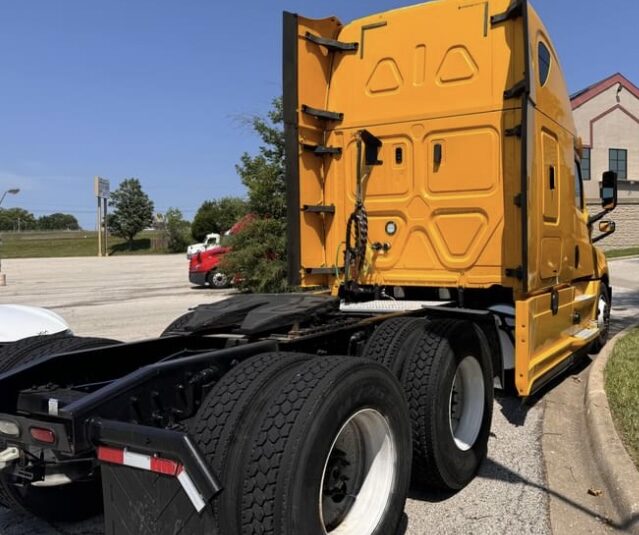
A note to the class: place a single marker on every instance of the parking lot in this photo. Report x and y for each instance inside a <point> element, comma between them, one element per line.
<point>134,297</point>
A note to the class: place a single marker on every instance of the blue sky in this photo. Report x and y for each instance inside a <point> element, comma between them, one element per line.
<point>157,89</point>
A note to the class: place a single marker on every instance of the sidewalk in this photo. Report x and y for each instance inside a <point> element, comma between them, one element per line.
<point>592,482</point>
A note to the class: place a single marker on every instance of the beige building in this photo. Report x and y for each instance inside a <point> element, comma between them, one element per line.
<point>607,119</point>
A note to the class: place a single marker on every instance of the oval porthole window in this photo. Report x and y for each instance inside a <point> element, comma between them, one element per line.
<point>544,63</point>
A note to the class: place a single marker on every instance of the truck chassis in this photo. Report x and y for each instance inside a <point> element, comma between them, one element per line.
<point>70,415</point>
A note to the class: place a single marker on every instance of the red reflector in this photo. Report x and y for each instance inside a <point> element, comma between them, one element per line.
<point>111,455</point>
<point>164,466</point>
<point>45,436</point>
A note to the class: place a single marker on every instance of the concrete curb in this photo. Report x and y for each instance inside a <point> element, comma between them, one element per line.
<point>622,258</point>
<point>617,469</point>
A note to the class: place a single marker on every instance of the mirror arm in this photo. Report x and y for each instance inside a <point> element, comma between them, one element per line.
<point>599,238</point>
<point>594,218</point>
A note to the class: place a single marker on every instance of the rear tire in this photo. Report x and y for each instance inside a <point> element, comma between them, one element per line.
<point>69,502</point>
<point>220,429</point>
<point>448,381</point>
<point>11,354</point>
<point>269,429</point>
<point>30,349</point>
<point>330,454</point>
<point>392,341</point>
<point>228,415</point>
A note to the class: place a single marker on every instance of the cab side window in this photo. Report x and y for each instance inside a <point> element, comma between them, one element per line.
<point>544,61</point>
<point>579,190</point>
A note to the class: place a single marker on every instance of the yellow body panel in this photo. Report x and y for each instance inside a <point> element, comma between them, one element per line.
<point>416,80</point>
<point>478,187</point>
<point>545,339</point>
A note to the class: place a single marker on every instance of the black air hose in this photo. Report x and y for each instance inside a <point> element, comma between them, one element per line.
<point>356,240</point>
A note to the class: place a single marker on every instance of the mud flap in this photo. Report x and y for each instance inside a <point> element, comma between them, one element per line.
<point>143,503</point>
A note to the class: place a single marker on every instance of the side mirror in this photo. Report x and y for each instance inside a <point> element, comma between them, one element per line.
<point>608,190</point>
<point>607,226</point>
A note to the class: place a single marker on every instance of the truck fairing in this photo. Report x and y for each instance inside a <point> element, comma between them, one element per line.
<point>461,109</point>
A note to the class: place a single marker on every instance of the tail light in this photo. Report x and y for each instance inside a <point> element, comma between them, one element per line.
<point>46,436</point>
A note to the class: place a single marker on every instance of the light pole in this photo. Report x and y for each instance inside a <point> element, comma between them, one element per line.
<point>12,191</point>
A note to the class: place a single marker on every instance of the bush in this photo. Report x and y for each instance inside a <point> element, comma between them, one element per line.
<point>258,257</point>
<point>178,231</point>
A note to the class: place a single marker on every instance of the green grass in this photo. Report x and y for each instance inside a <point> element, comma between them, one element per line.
<point>616,253</point>
<point>622,387</point>
<point>73,243</point>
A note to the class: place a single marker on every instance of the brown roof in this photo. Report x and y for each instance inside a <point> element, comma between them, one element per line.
<point>583,96</point>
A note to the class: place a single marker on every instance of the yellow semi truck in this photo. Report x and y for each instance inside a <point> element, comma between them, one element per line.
<point>478,190</point>
<point>434,187</point>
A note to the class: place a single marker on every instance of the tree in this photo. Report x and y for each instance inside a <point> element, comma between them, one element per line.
<point>16,219</point>
<point>58,221</point>
<point>264,174</point>
<point>218,215</point>
<point>258,251</point>
<point>132,210</point>
<point>177,231</point>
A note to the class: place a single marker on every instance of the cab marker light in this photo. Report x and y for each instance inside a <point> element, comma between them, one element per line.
<point>158,465</point>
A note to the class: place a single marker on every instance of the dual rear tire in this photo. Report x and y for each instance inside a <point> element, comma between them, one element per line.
<point>307,445</point>
<point>447,376</point>
<point>301,444</point>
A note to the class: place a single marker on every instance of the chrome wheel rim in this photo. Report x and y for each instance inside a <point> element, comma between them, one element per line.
<point>603,316</point>
<point>466,403</point>
<point>359,475</point>
<point>219,280</point>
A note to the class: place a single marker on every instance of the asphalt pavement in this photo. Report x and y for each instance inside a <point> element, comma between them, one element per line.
<point>131,298</point>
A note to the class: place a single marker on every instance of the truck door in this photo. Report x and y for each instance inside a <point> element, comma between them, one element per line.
<point>551,310</point>
<point>553,251</point>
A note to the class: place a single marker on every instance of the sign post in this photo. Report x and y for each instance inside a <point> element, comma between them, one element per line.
<point>101,189</point>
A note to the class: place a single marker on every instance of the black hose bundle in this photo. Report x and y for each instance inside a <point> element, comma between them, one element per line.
<point>357,226</point>
<point>356,240</point>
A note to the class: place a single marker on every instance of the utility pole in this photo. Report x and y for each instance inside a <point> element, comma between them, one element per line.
<point>106,226</point>
<point>101,188</point>
<point>99,226</point>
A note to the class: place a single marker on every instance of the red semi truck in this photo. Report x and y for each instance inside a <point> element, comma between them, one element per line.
<point>204,267</point>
